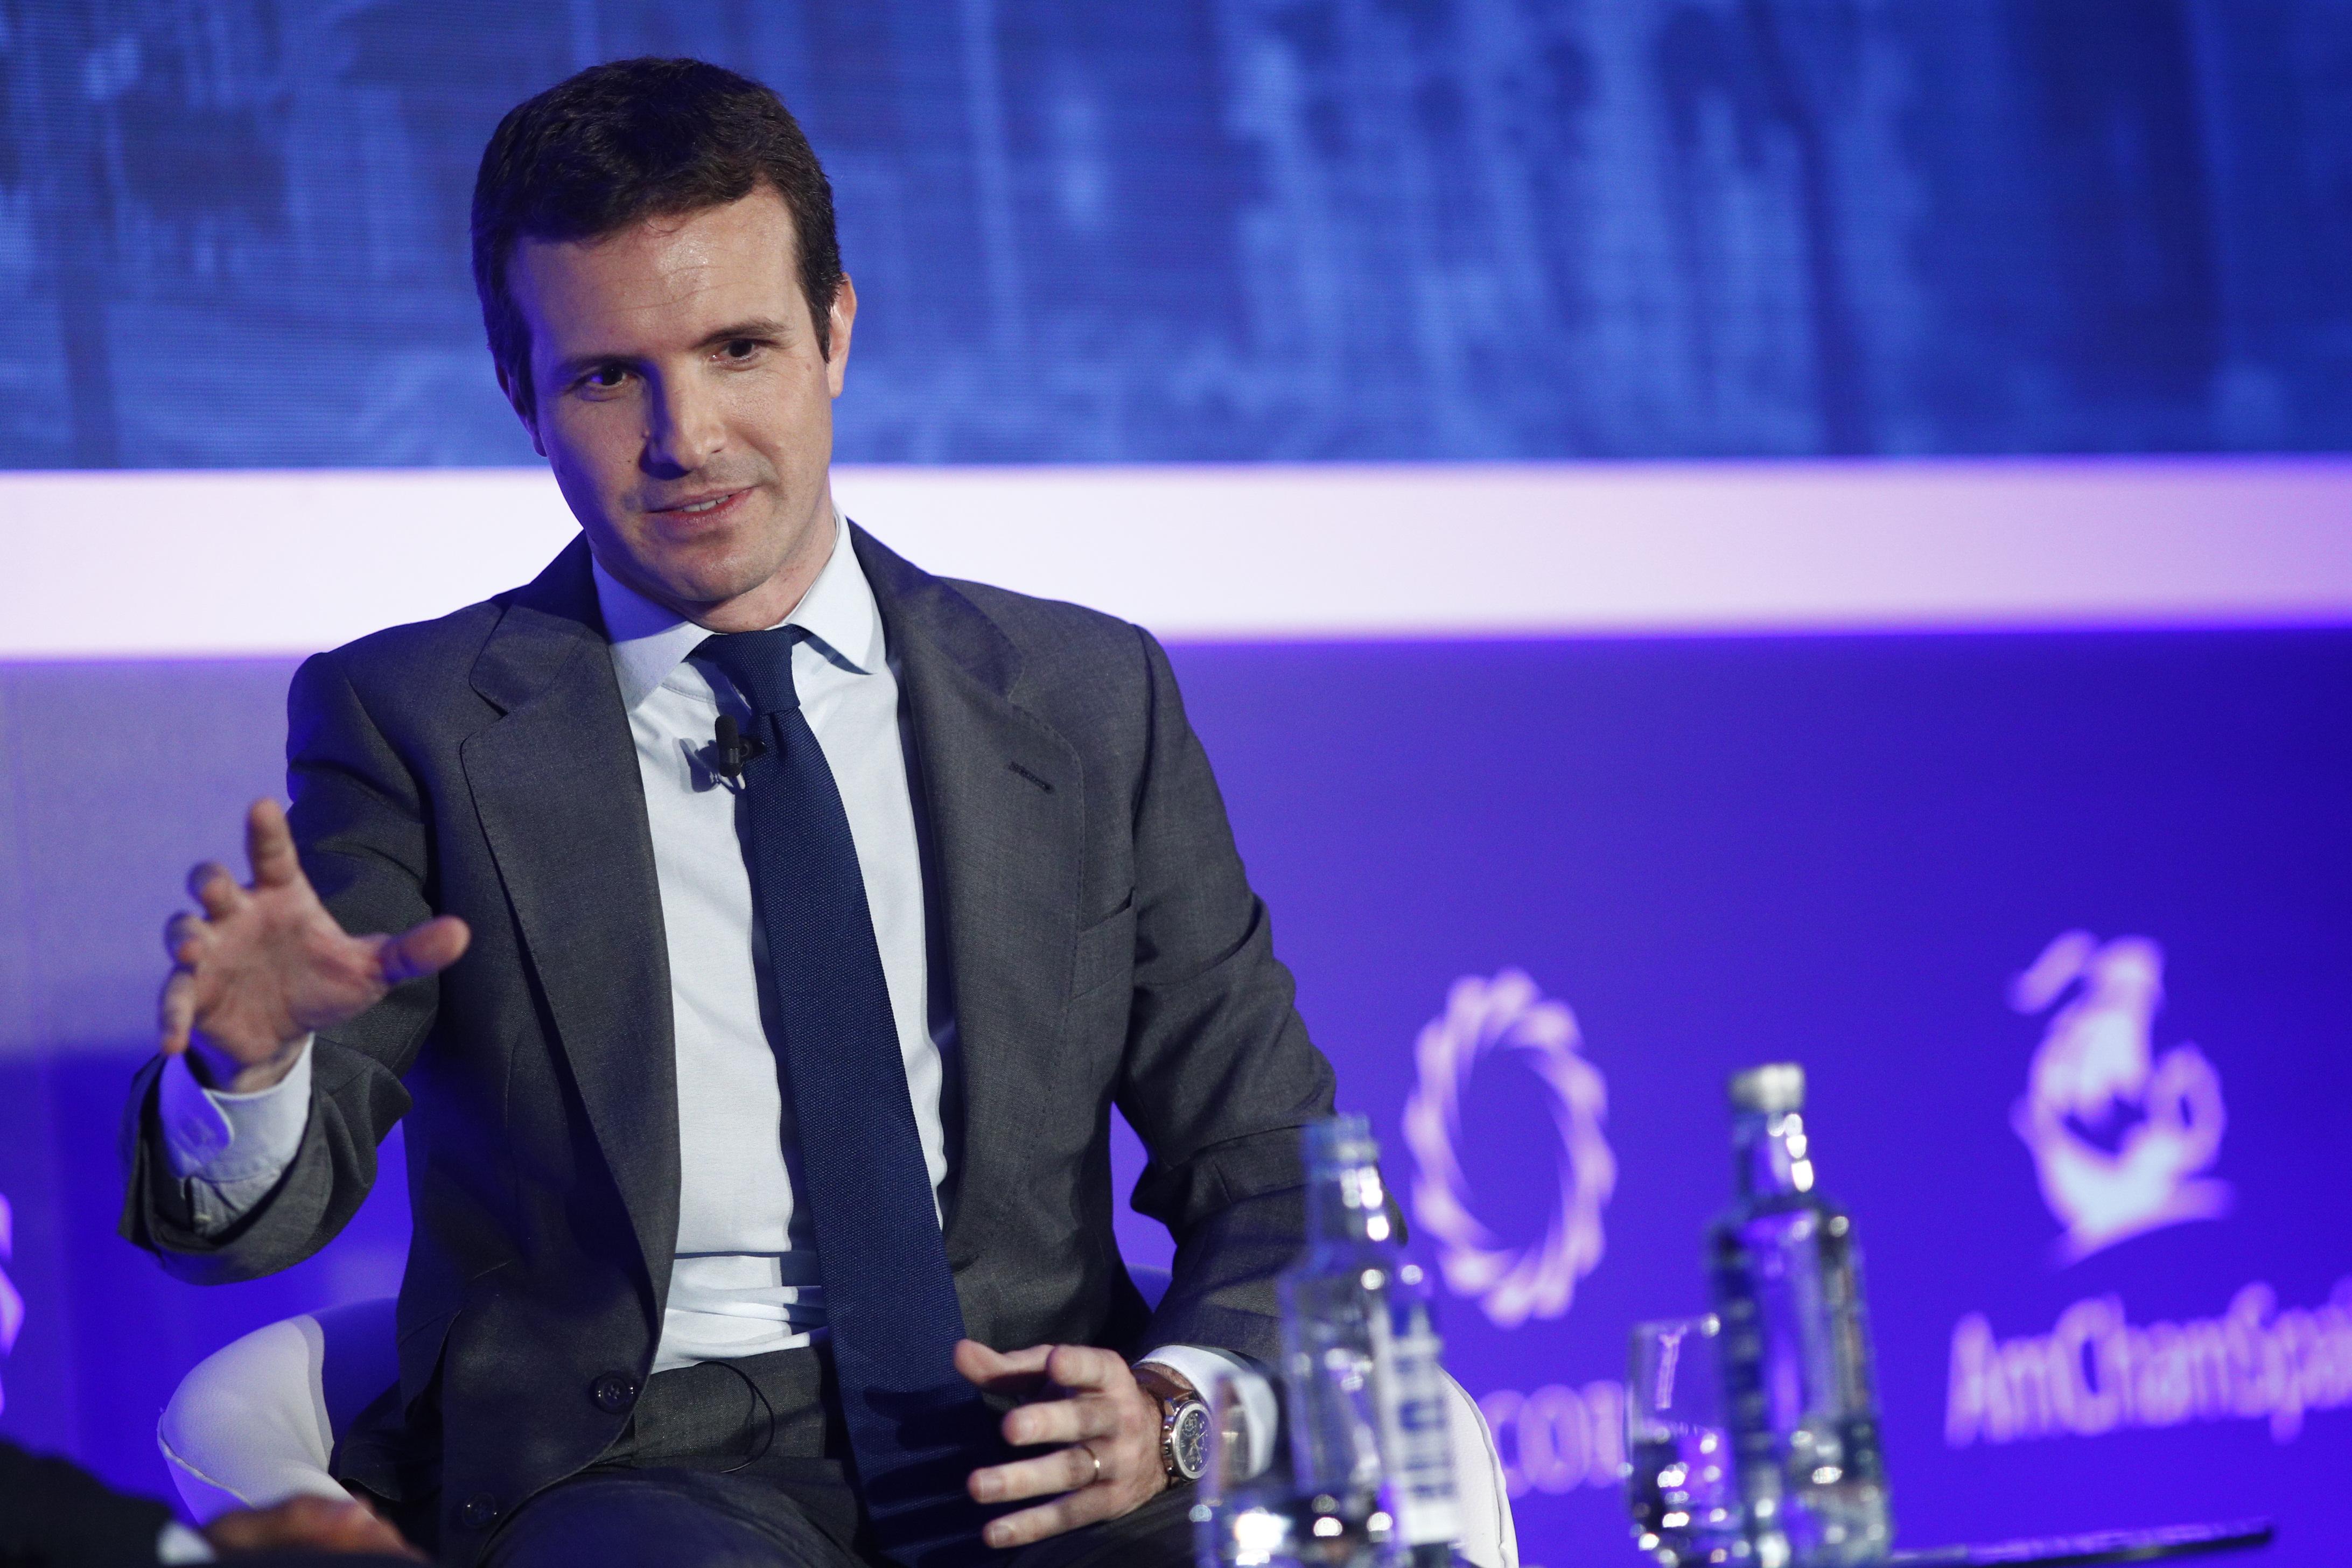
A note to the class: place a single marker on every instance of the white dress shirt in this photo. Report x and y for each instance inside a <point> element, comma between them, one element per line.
<point>745,1280</point>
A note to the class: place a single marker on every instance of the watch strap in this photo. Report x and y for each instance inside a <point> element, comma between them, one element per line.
<point>1176,1394</point>
<point>1164,1383</point>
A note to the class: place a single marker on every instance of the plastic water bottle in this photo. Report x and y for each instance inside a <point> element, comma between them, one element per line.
<point>1365,1389</point>
<point>1334,1319</point>
<point>1803,1404</point>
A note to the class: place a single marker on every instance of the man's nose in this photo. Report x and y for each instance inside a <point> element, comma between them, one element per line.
<point>683,429</point>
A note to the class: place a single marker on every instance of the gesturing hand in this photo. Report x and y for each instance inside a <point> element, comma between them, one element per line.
<point>1078,1396</point>
<point>265,965</point>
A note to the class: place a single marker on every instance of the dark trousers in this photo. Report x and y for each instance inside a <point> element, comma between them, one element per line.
<point>738,1465</point>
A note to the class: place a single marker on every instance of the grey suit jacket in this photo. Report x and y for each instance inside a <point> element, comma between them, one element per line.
<point>1104,944</point>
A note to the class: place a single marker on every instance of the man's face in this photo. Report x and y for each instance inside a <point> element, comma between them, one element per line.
<point>684,407</point>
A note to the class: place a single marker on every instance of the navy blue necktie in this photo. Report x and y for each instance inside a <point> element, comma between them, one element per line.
<point>916,1427</point>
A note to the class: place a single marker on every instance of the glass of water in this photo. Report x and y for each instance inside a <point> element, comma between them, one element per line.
<point>1679,1482</point>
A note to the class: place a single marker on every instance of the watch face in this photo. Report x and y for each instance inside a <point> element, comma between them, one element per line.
<point>1188,1441</point>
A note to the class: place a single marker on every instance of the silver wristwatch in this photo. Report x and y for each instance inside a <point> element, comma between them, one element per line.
<point>1184,1422</point>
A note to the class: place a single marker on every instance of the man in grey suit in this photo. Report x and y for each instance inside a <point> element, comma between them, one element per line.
<point>747,891</point>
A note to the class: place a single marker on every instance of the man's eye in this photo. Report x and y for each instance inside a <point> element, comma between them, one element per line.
<point>742,348</point>
<point>605,377</point>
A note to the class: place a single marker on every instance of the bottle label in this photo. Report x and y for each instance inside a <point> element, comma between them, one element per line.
<point>1420,1440</point>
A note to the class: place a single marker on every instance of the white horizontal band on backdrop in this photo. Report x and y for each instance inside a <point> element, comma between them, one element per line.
<point>139,565</point>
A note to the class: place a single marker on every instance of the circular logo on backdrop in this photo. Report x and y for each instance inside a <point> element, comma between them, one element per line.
<point>1508,1013</point>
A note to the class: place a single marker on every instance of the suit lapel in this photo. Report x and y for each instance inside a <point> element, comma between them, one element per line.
<point>1005,800</point>
<point>556,786</point>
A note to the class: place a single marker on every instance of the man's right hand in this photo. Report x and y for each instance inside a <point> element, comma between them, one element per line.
<point>265,964</point>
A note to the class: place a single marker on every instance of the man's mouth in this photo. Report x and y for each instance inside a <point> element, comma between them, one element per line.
<point>701,506</point>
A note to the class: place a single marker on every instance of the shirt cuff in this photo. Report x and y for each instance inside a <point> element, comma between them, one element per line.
<point>1204,1369</point>
<point>227,1140</point>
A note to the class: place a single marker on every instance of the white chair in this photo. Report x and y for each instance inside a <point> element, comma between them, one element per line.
<point>253,1423</point>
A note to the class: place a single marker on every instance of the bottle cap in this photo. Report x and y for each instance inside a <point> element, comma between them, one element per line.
<point>1341,1140</point>
<point>1771,1089</point>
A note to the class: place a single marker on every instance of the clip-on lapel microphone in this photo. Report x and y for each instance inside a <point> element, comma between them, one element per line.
<point>733,749</point>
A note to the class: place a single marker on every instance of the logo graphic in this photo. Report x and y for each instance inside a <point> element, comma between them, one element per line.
<point>1509,1014</point>
<point>12,1305</point>
<point>2119,1135</point>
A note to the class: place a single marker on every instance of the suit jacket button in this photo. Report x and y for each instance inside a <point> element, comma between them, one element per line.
<point>480,1510</point>
<point>613,1392</point>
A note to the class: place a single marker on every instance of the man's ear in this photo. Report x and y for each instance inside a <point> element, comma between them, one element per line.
<point>839,319</point>
<point>514,400</point>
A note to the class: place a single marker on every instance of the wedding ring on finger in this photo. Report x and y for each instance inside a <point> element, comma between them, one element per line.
<point>1090,1454</point>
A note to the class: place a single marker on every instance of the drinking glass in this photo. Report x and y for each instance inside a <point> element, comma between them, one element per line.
<point>1240,1521</point>
<point>1679,1482</point>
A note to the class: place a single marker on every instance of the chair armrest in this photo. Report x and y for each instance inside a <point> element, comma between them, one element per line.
<point>253,1423</point>
<point>1489,1539</point>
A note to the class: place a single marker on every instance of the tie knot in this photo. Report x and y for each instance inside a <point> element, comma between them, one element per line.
<point>759,663</point>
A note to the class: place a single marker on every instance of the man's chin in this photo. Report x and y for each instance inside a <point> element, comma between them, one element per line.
<point>704,572</point>
<point>707,595</point>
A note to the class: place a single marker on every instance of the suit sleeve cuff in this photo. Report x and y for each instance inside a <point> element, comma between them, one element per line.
<point>233,1140</point>
<point>1205,1368</point>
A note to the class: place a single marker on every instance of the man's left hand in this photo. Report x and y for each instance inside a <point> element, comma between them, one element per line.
<point>1086,1400</point>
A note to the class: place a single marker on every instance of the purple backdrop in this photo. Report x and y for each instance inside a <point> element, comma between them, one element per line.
<point>2107,1220</point>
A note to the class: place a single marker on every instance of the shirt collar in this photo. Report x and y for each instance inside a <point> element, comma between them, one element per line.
<point>649,642</point>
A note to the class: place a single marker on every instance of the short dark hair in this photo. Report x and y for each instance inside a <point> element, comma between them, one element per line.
<point>632,139</point>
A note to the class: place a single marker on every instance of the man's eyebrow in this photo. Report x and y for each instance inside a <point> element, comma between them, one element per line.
<point>762,328</point>
<point>759,327</point>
